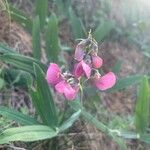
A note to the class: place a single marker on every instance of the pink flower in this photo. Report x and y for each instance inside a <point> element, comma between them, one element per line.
<point>105,82</point>
<point>86,55</point>
<point>63,83</point>
<point>53,74</point>
<point>64,88</point>
<point>82,68</point>
<point>79,52</point>
<point>96,62</point>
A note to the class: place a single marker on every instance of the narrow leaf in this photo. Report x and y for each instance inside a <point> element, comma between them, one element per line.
<point>17,77</point>
<point>116,68</point>
<point>68,123</point>
<point>142,106</point>
<point>27,134</point>
<point>52,39</point>
<point>145,138</point>
<point>103,30</point>
<point>22,62</point>
<point>36,41</point>
<point>20,17</point>
<point>43,99</point>
<point>17,116</point>
<point>76,25</point>
<point>87,116</point>
<point>125,82</point>
<point>42,11</point>
<point>5,49</point>
<point>2,83</point>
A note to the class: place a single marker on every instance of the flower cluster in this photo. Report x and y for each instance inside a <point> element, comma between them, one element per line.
<point>87,64</point>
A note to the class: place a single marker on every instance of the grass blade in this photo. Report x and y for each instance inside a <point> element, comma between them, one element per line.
<point>36,41</point>
<point>42,11</point>
<point>142,106</point>
<point>52,39</point>
<point>43,100</point>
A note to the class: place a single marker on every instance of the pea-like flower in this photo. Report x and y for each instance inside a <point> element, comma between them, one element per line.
<point>63,83</point>
<point>104,82</point>
<point>86,55</point>
<point>87,64</point>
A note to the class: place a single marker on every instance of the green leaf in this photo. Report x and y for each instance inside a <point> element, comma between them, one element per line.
<point>62,7</point>
<point>76,25</point>
<point>43,99</point>
<point>87,116</point>
<point>116,68</point>
<point>68,123</point>
<point>17,116</point>
<point>145,138</point>
<point>103,30</point>
<point>27,134</point>
<point>42,11</point>
<point>113,133</point>
<point>2,83</point>
<point>22,62</point>
<point>20,17</point>
<point>52,39</point>
<point>121,143</point>
<point>17,77</point>
<point>142,106</point>
<point>5,49</point>
<point>125,82</point>
<point>36,40</point>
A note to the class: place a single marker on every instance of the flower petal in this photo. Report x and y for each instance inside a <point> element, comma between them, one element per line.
<point>78,70</point>
<point>105,82</point>
<point>79,52</point>
<point>87,69</point>
<point>53,74</point>
<point>70,93</point>
<point>64,88</point>
<point>60,87</point>
<point>97,62</point>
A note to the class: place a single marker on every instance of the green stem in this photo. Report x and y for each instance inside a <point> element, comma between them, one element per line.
<point>81,95</point>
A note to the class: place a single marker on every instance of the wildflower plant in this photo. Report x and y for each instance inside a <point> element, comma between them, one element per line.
<point>86,68</point>
<point>44,82</point>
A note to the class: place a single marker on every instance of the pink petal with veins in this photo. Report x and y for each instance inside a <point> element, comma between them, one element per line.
<point>53,74</point>
<point>87,69</point>
<point>97,62</point>
<point>70,93</point>
<point>78,70</point>
<point>60,87</point>
<point>82,68</point>
<point>64,88</point>
<point>105,82</point>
